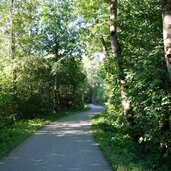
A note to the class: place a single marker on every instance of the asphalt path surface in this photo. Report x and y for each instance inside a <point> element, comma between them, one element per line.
<point>65,145</point>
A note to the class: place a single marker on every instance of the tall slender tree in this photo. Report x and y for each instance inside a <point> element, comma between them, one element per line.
<point>60,40</point>
<point>116,51</point>
<point>13,48</point>
<point>166,11</point>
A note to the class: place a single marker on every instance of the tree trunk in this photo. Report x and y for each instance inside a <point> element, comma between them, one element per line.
<point>116,51</point>
<point>104,46</point>
<point>166,11</point>
<point>56,92</point>
<point>13,50</point>
<point>56,99</point>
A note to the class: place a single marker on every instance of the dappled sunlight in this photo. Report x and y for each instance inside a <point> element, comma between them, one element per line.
<point>71,128</point>
<point>63,145</point>
<point>67,128</point>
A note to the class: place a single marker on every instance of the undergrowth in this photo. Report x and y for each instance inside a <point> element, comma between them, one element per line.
<point>12,135</point>
<point>119,148</point>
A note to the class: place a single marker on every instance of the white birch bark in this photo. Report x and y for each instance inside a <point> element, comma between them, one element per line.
<point>166,11</point>
<point>116,53</point>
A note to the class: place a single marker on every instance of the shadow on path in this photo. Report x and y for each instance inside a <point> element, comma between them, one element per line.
<point>65,145</point>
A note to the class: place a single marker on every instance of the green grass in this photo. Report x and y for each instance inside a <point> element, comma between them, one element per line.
<point>118,148</point>
<point>13,135</point>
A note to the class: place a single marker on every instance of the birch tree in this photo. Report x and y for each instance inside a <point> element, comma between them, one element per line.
<point>116,51</point>
<point>166,11</point>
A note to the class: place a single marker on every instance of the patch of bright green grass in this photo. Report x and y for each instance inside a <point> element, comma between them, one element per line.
<point>13,135</point>
<point>118,148</point>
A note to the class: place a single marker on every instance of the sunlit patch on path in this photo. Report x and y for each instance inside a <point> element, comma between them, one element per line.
<point>66,145</point>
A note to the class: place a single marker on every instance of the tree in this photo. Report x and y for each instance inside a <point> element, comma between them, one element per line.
<point>13,48</point>
<point>140,68</point>
<point>61,40</point>
<point>94,70</point>
<point>166,12</point>
<point>116,51</point>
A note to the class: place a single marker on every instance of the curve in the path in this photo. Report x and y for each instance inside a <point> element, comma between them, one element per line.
<point>65,145</point>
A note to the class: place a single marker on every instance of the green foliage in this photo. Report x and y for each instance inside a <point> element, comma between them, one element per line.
<point>119,148</point>
<point>41,44</point>
<point>39,49</point>
<point>139,30</point>
<point>13,135</point>
<point>94,70</point>
<point>69,74</point>
<point>146,76</point>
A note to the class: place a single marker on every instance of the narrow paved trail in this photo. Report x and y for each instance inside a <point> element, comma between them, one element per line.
<point>65,145</point>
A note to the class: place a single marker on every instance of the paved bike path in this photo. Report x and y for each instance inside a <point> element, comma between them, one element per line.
<point>65,145</point>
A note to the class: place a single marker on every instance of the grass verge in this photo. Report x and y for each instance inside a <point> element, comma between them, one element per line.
<point>13,135</point>
<point>118,148</point>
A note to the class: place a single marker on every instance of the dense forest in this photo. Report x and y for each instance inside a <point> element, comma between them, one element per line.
<point>41,68</point>
<point>59,54</point>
